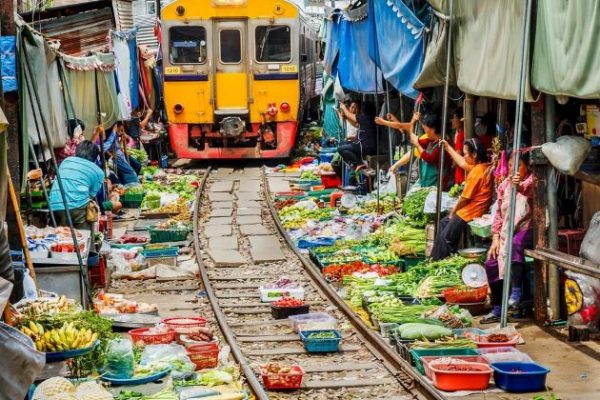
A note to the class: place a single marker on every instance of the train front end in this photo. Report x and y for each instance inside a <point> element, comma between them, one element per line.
<point>231,78</point>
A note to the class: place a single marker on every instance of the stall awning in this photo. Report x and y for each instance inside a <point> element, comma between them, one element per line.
<point>356,70</point>
<point>332,47</point>
<point>396,43</point>
<point>487,49</point>
<point>566,59</point>
<point>8,63</point>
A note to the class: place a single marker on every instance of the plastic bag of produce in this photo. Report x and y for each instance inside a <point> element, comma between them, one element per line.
<point>590,247</point>
<point>582,295</point>
<point>120,362</point>
<point>568,153</point>
<point>21,363</point>
<point>448,202</point>
<point>172,354</point>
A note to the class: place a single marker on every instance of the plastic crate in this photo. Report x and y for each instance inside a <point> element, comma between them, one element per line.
<point>416,355</point>
<point>271,295</point>
<point>169,261</point>
<point>428,359</point>
<point>466,295</point>
<point>168,235</point>
<point>326,158</point>
<point>520,377</point>
<point>97,274</point>
<point>504,354</point>
<point>283,381</point>
<point>321,345</point>
<point>331,181</point>
<point>483,231</point>
<point>312,318</point>
<point>285,312</point>
<point>142,335</point>
<point>449,380</point>
<point>204,355</point>
<point>161,252</point>
<point>132,200</point>
<point>569,240</point>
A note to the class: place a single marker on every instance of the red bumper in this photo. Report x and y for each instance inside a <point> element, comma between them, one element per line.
<point>179,139</point>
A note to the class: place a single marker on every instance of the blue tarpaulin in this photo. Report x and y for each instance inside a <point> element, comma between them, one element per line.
<point>332,48</point>
<point>396,43</point>
<point>8,61</point>
<point>356,69</point>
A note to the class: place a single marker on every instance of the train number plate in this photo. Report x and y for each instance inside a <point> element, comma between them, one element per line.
<point>289,68</point>
<point>172,70</point>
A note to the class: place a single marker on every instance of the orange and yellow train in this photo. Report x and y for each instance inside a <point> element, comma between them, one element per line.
<point>238,75</point>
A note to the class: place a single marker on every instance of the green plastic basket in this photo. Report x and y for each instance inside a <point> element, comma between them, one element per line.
<point>168,235</point>
<point>481,231</point>
<point>132,200</point>
<point>418,353</point>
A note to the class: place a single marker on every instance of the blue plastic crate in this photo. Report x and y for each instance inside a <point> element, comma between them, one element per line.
<point>530,378</point>
<point>326,158</point>
<point>321,345</point>
<point>161,252</point>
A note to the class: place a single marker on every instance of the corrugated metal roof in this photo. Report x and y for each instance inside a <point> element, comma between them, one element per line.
<point>81,32</point>
<point>123,14</point>
<point>145,35</point>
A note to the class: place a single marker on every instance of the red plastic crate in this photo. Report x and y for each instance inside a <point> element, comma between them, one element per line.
<point>331,181</point>
<point>97,274</point>
<point>142,335</point>
<point>283,381</point>
<point>204,355</point>
<point>569,240</point>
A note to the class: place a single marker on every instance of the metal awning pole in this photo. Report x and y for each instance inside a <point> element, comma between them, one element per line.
<point>516,157</point>
<point>389,130</point>
<point>438,205</point>
<point>43,182</point>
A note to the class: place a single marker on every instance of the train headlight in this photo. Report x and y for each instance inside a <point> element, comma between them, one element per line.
<point>285,107</point>
<point>178,108</point>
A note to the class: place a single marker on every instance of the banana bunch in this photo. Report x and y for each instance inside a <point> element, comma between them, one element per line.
<point>66,338</point>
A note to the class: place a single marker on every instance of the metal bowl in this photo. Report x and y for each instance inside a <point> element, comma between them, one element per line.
<point>473,252</point>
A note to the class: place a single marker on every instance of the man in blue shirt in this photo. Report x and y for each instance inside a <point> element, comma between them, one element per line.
<point>112,143</point>
<point>81,180</point>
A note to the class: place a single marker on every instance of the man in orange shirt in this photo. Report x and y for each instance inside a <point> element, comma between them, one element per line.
<point>474,201</point>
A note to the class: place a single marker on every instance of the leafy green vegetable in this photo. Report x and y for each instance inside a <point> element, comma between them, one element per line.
<point>413,207</point>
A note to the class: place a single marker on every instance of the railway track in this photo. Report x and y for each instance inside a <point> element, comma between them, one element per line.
<point>241,245</point>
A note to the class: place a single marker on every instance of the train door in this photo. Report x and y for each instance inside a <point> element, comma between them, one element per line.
<point>231,66</point>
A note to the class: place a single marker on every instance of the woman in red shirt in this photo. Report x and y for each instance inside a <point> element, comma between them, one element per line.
<point>459,142</point>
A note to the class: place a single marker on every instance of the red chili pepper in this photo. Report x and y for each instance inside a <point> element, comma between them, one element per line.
<point>289,302</point>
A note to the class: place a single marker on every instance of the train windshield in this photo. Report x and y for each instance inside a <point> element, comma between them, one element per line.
<point>231,46</point>
<point>188,45</point>
<point>273,43</point>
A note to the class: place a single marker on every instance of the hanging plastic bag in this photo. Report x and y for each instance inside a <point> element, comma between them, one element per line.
<point>582,295</point>
<point>590,247</point>
<point>120,363</point>
<point>21,363</point>
<point>568,153</point>
<point>29,289</point>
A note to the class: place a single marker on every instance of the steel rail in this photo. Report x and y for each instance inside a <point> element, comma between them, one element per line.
<point>248,372</point>
<point>396,365</point>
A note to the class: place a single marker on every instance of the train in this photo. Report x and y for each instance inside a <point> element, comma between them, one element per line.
<point>239,76</point>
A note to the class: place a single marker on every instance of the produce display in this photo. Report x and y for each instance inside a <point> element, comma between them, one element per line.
<point>55,340</point>
<point>413,207</point>
<point>295,217</point>
<point>107,303</point>
<point>49,239</point>
<point>59,388</point>
<point>288,302</point>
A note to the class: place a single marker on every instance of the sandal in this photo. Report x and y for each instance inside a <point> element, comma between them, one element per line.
<point>491,318</point>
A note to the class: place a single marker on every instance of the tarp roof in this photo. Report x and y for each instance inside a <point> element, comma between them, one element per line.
<point>566,60</point>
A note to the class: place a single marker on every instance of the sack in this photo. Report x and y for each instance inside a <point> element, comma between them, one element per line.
<point>21,363</point>
<point>590,247</point>
<point>568,153</point>
<point>582,296</point>
<point>92,211</point>
<point>120,362</point>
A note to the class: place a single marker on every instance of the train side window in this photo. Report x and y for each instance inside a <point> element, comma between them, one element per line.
<point>231,46</point>
<point>273,43</point>
<point>187,45</point>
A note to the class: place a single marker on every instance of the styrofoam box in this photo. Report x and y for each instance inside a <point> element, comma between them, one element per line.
<point>271,295</point>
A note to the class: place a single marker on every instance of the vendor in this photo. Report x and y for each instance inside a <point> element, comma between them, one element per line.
<point>429,150</point>
<point>350,126</point>
<point>459,142</point>
<point>474,201</point>
<point>127,169</point>
<point>81,180</point>
<point>391,121</point>
<point>522,239</point>
<point>353,152</point>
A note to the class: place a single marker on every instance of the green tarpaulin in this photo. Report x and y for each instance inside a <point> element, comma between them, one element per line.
<point>434,66</point>
<point>566,58</point>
